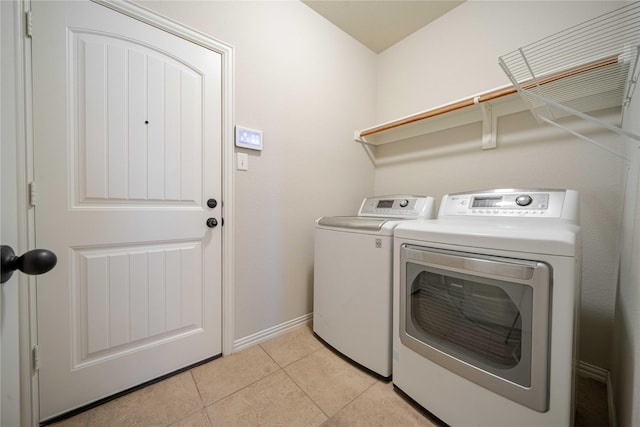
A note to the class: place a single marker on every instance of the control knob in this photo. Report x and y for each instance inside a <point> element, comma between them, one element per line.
<point>404,203</point>
<point>524,200</point>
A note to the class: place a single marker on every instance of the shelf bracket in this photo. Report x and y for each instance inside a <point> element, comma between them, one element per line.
<point>489,124</point>
<point>358,138</point>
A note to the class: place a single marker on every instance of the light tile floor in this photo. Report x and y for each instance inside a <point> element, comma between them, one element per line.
<point>291,380</point>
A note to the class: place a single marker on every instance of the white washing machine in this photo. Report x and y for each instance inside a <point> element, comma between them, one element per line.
<point>353,277</point>
<point>486,303</point>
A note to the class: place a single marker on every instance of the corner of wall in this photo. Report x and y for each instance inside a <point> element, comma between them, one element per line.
<point>625,376</point>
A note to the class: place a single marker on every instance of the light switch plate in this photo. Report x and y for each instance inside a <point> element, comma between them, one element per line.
<point>242,161</point>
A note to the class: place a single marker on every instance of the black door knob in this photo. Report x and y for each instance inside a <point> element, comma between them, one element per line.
<point>212,203</point>
<point>37,261</point>
<point>212,222</point>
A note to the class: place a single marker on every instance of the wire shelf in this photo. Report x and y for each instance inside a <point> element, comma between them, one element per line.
<point>588,67</point>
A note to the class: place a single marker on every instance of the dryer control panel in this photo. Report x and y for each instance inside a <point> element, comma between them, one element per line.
<point>530,203</point>
<point>398,206</point>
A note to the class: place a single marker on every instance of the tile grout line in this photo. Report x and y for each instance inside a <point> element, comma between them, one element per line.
<point>298,385</point>
<point>205,406</point>
<point>361,393</point>
<point>202,405</point>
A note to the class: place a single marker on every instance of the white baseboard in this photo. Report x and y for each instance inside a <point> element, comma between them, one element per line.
<point>595,373</point>
<point>271,332</point>
<point>602,375</point>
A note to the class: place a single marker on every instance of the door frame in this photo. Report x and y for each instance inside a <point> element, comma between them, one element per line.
<point>29,401</point>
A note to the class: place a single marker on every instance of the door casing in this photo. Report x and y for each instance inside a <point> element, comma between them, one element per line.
<point>26,227</point>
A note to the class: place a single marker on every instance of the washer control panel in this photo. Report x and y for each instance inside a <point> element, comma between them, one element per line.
<point>530,203</point>
<point>398,206</point>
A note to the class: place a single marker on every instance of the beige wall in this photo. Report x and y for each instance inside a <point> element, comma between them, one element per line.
<point>308,86</point>
<point>456,57</point>
<point>625,368</point>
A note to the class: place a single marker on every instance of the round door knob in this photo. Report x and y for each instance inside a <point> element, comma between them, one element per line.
<point>212,203</point>
<point>212,222</point>
<point>37,261</point>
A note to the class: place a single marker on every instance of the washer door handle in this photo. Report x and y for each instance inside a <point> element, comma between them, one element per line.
<point>513,269</point>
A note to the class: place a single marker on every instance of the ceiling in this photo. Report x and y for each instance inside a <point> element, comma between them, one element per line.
<point>379,24</point>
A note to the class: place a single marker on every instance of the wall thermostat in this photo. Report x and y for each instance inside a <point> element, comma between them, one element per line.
<point>248,138</point>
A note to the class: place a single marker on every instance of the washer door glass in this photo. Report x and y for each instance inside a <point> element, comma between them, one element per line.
<point>486,323</point>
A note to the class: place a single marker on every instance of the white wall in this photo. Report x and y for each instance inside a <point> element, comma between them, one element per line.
<point>626,349</point>
<point>308,86</point>
<point>456,57</point>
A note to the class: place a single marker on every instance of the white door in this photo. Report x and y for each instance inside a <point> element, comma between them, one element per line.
<point>127,151</point>
<point>9,291</point>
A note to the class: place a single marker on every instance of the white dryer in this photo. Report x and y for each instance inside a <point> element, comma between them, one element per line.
<point>486,302</point>
<point>353,277</point>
